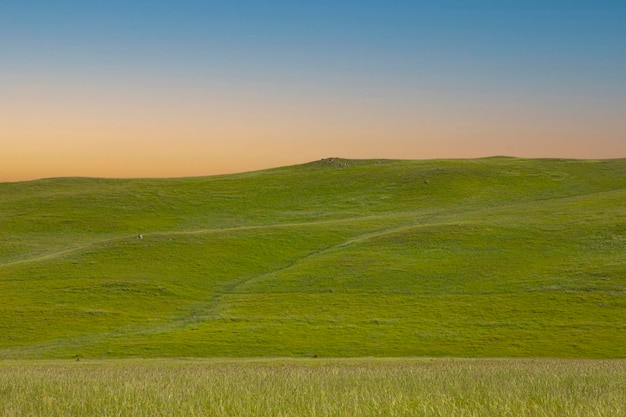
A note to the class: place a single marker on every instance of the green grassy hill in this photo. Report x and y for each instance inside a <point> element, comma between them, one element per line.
<point>487,257</point>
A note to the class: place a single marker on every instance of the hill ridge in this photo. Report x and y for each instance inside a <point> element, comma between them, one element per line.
<point>485,257</point>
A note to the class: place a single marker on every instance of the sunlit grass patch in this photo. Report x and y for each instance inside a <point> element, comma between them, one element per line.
<point>314,387</point>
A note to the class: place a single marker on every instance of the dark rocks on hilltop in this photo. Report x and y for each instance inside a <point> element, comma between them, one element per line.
<point>334,162</point>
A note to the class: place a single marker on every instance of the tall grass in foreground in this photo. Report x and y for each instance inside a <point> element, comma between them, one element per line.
<point>315,387</point>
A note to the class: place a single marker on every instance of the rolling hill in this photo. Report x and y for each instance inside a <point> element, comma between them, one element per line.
<point>487,257</point>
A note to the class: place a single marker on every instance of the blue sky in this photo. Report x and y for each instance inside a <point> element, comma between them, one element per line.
<point>248,84</point>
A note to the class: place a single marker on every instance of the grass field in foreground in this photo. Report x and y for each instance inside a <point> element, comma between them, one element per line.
<point>314,387</point>
<point>483,258</point>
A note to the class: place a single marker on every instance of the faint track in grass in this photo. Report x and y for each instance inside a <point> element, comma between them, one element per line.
<point>61,253</point>
<point>196,312</point>
<point>209,309</point>
<point>434,216</point>
<point>100,243</point>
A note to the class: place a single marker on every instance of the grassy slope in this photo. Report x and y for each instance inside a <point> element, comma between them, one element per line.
<point>489,257</point>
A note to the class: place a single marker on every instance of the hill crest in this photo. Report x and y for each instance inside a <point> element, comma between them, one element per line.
<point>337,257</point>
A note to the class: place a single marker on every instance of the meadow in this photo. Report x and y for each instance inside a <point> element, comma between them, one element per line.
<point>314,387</point>
<point>494,257</point>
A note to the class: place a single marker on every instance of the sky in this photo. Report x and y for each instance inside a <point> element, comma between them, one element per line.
<point>188,88</point>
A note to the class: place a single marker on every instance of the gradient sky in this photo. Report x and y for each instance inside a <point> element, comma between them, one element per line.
<point>180,88</point>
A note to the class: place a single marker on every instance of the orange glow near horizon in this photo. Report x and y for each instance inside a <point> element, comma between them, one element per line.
<point>112,133</point>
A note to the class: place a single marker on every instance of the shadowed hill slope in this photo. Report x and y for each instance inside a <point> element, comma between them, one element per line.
<point>486,257</point>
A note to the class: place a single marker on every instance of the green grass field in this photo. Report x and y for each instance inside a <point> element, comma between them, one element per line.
<point>495,257</point>
<point>314,387</point>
